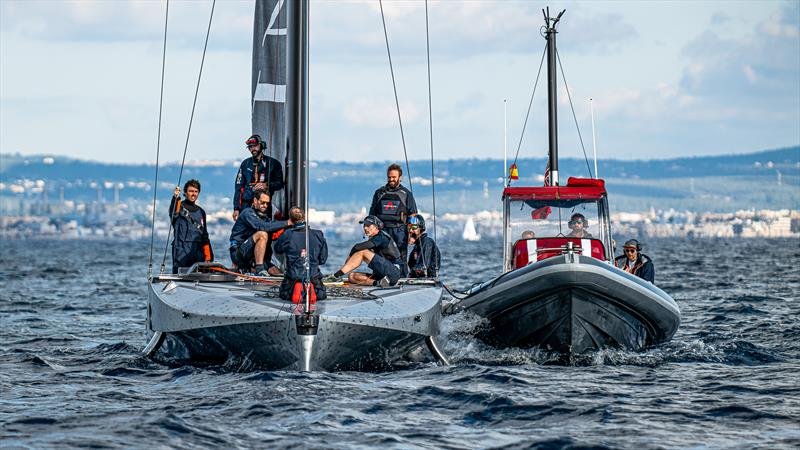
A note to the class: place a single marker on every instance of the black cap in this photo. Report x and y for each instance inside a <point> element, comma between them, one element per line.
<point>632,243</point>
<point>372,220</point>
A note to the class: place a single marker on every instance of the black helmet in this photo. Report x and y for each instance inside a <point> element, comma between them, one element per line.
<point>417,220</point>
<point>372,220</point>
<point>254,140</point>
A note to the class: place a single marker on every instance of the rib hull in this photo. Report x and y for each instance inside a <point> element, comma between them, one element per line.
<point>573,304</point>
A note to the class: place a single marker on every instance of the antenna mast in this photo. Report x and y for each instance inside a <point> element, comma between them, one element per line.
<point>552,92</point>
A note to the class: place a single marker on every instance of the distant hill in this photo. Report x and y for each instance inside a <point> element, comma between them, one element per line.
<point>710,183</point>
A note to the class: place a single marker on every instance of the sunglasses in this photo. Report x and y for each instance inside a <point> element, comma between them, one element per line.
<point>263,202</point>
<point>630,250</point>
<point>413,227</point>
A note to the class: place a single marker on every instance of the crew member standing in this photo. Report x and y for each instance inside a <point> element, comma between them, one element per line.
<point>394,204</point>
<point>191,243</point>
<point>292,243</point>
<point>259,172</point>
<point>425,259</point>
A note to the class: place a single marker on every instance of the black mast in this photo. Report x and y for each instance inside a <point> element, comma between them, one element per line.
<point>296,103</point>
<point>552,93</point>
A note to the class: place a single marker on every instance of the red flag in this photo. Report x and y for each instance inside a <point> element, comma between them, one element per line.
<point>541,213</point>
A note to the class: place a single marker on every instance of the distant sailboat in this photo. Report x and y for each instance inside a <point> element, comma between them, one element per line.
<point>469,233</point>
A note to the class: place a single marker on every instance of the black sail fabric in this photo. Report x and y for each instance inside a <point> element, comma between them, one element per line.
<point>269,80</point>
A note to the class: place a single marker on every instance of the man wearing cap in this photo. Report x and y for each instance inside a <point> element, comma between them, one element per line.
<point>250,237</point>
<point>578,224</point>
<point>635,262</point>
<point>260,171</point>
<point>425,259</point>
<point>379,252</point>
<point>393,204</point>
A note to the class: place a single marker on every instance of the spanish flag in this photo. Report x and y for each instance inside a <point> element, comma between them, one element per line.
<point>513,173</point>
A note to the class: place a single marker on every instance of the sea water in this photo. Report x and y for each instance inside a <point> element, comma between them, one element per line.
<point>71,372</point>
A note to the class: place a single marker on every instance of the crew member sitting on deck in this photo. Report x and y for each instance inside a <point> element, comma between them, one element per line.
<point>379,252</point>
<point>191,243</point>
<point>633,261</point>
<point>250,237</point>
<point>578,224</point>
<point>425,259</point>
<point>260,171</point>
<point>394,204</point>
<point>292,243</point>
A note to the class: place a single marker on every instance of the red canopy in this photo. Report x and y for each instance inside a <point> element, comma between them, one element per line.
<point>576,188</point>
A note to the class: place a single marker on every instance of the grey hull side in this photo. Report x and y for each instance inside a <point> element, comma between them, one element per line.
<point>573,304</point>
<point>213,322</point>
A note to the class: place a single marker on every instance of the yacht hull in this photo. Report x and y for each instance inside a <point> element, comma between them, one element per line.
<point>217,322</point>
<point>573,304</point>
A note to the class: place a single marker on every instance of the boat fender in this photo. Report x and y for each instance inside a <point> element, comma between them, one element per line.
<point>298,293</point>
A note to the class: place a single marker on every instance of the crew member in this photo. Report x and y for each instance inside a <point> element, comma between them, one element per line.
<point>635,262</point>
<point>393,204</point>
<point>425,259</point>
<point>191,243</point>
<point>250,237</point>
<point>292,243</point>
<point>259,172</point>
<point>379,252</point>
<point>578,224</point>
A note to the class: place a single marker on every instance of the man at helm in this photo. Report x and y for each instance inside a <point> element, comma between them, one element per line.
<point>578,224</point>
<point>634,262</point>
<point>258,172</point>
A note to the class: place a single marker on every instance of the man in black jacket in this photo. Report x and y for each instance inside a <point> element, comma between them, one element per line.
<point>191,243</point>
<point>393,204</point>
<point>250,237</point>
<point>425,259</point>
<point>635,262</point>
<point>379,252</point>
<point>259,172</point>
<point>292,243</point>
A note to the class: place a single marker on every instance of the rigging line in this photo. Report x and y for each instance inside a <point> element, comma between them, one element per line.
<point>430,117</point>
<point>396,101</point>
<point>527,114</point>
<point>158,145</point>
<point>191,119</point>
<point>574,117</point>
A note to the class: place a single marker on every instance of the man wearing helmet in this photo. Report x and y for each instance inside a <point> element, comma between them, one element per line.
<point>634,262</point>
<point>258,172</point>
<point>578,224</point>
<point>425,259</point>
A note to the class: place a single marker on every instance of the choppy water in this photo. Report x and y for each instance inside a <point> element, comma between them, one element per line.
<point>72,325</point>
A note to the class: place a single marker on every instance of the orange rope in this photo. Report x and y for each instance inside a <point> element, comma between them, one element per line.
<point>241,275</point>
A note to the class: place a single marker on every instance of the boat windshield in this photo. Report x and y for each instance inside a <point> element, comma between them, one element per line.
<point>553,218</point>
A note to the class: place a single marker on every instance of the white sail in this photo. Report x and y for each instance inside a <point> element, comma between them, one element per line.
<point>469,233</point>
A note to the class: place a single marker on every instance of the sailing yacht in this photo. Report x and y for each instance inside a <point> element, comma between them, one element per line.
<point>212,315</point>
<point>470,234</point>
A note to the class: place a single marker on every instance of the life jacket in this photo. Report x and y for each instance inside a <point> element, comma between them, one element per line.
<point>193,215</point>
<point>391,251</point>
<point>393,206</point>
<point>298,294</point>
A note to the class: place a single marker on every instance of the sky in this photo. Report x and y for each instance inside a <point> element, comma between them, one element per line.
<point>667,79</point>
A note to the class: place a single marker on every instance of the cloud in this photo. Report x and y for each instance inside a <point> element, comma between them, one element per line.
<point>124,21</point>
